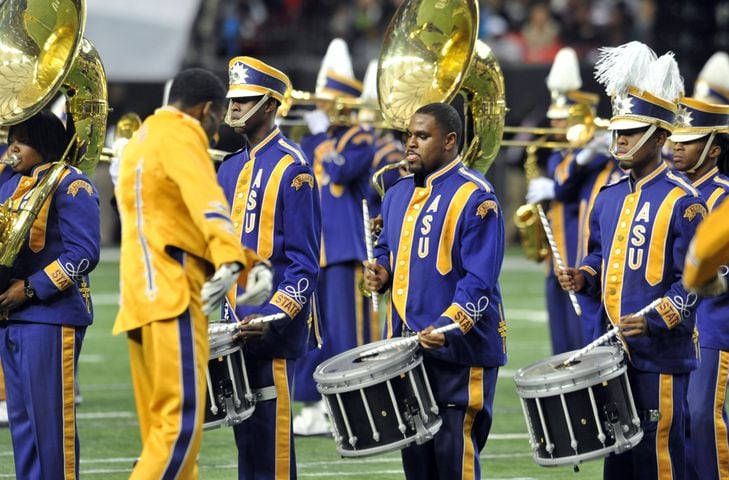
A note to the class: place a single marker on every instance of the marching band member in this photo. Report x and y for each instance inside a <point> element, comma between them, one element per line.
<point>574,178</point>
<point>708,252</point>
<point>342,156</point>
<point>275,210</point>
<point>389,149</point>
<point>700,141</point>
<point>440,254</point>
<point>640,228</point>
<point>47,306</point>
<point>176,230</point>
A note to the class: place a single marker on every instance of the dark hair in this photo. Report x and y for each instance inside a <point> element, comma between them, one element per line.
<point>721,140</point>
<point>446,117</point>
<point>45,133</point>
<point>196,85</point>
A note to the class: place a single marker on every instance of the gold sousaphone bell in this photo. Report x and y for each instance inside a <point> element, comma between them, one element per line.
<point>42,52</point>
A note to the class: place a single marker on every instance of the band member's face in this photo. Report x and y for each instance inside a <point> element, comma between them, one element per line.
<point>559,123</point>
<point>427,147</point>
<point>686,154</point>
<point>211,121</point>
<point>240,107</point>
<point>646,154</point>
<point>26,156</point>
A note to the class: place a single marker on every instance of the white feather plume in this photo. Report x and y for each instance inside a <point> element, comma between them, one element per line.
<point>627,65</point>
<point>369,90</point>
<point>337,60</point>
<point>564,76</point>
<point>715,73</point>
<point>664,79</point>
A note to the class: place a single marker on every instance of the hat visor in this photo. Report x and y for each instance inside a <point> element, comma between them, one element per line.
<point>686,137</point>
<point>623,124</point>
<point>240,93</point>
<point>557,113</point>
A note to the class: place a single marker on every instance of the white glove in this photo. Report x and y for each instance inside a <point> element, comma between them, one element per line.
<point>715,287</point>
<point>258,285</point>
<point>600,144</point>
<point>213,291</point>
<point>541,188</point>
<point>317,121</point>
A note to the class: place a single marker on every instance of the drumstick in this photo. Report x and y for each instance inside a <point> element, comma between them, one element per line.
<point>368,247</point>
<point>612,332</point>
<point>404,342</point>
<point>231,327</point>
<point>557,256</point>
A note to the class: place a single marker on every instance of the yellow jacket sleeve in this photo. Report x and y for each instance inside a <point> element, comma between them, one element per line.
<point>709,248</point>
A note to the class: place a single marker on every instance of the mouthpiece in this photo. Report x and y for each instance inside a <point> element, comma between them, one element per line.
<point>11,160</point>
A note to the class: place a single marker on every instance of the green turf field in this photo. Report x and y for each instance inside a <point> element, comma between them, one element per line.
<point>109,434</point>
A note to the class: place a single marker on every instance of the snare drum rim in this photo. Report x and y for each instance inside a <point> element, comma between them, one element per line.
<point>616,363</point>
<point>388,367</point>
<point>554,389</point>
<point>398,445</point>
<point>359,382</point>
<point>583,457</point>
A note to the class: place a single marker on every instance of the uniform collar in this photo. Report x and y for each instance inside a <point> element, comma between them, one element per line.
<point>656,173</point>
<point>271,139</point>
<point>443,172</point>
<point>706,177</point>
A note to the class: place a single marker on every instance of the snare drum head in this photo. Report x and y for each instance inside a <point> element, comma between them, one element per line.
<point>356,365</point>
<point>598,364</point>
<point>221,343</point>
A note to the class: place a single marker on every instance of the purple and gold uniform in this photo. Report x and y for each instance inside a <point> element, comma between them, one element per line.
<point>443,244</point>
<point>639,235</point>
<point>40,341</point>
<point>342,159</point>
<point>709,250</point>
<point>708,383</point>
<point>275,211</point>
<point>708,452</point>
<point>176,230</point>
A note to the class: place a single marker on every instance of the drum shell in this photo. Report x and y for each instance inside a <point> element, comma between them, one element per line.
<point>382,406</point>
<point>595,402</point>
<point>227,387</point>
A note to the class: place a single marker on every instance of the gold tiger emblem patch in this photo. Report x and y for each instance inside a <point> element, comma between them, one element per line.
<point>486,207</point>
<point>78,185</point>
<point>302,179</point>
<point>695,209</point>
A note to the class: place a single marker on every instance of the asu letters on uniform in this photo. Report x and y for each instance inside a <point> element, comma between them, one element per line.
<point>275,211</point>
<point>443,243</point>
<point>639,235</point>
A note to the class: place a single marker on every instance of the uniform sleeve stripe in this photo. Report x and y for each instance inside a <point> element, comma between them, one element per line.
<point>294,151</point>
<point>476,180</point>
<point>217,216</point>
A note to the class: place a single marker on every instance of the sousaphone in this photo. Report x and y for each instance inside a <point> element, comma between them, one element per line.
<point>431,53</point>
<point>42,53</point>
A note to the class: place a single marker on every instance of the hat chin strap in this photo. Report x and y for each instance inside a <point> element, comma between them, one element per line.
<point>241,122</point>
<point>704,153</point>
<point>636,147</point>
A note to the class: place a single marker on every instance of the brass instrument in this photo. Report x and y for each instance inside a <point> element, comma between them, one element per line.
<point>42,51</point>
<point>534,240</point>
<point>341,110</point>
<point>429,54</point>
<point>582,124</point>
<point>377,177</point>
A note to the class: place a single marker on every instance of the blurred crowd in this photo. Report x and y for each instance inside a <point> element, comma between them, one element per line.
<point>519,31</point>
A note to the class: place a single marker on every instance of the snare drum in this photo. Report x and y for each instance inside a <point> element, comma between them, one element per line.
<point>230,399</point>
<point>580,412</point>
<point>380,402</point>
